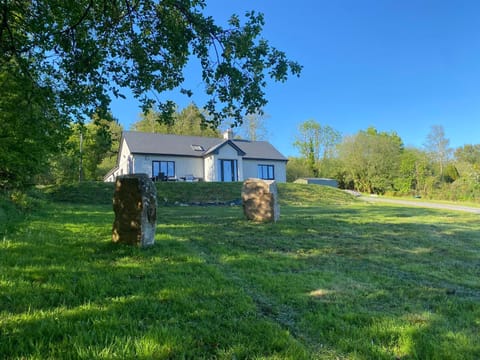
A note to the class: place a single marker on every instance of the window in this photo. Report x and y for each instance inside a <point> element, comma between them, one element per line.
<point>228,170</point>
<point>198,148</point>
<point>266,172</point>
<point>163,169</point>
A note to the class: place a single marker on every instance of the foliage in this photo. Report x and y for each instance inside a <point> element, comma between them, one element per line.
<point>469,154</point>
<point>31,128</point>
<point>189,121</point>
<point>110,158</point>
<point>297,168</point>
<point>415,172</point>
<point>467,161</point>
<point>450,173</point>
<point>333,279</point>
<point>462,189</point>
<point>371,160</point>
<point>10,215</point>
<point>60,62</point>
<point>86,148</point>
<point>317,144</point>
<point>437,146</point>
<point>85,50</point>
<point>254,127</point>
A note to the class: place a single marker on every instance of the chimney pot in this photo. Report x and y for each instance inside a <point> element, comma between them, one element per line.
<point>228,135</point>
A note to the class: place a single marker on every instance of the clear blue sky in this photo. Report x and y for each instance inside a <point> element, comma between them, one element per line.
<point>397,65</point>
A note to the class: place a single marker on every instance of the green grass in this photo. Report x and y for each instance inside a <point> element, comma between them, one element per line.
<point>169,193</point>
<point>333,279</point>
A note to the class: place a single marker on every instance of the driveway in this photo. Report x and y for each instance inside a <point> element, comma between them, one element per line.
<point>421,204</point>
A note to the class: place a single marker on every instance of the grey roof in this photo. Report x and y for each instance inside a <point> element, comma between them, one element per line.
<point>166,144</point>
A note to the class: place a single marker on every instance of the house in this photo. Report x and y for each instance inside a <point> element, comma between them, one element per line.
<point>194,158</point>
<point>318,181</point>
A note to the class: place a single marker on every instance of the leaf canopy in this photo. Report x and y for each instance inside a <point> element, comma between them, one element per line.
<point>88,50</point>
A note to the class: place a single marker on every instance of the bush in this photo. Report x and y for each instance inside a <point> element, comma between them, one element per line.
<point>10,214</point>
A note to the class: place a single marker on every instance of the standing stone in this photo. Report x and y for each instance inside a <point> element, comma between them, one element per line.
<point>260,200</point>
<point>135,207</point>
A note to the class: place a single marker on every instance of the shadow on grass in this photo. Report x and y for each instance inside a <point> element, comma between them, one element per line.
<point>370,265</point>
<point>69,292</point>
<point>358,280</point>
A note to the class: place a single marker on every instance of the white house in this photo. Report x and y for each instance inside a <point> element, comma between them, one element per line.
<point>193,158</point>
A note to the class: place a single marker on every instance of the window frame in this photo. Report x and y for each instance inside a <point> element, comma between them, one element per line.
<point>234,169</point>
<point>196,147</point>
<point>167,164</point>
<point>266,171</point>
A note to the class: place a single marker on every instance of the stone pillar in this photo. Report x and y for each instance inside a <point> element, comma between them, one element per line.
<point>260,200</point>
<point>135,207</point>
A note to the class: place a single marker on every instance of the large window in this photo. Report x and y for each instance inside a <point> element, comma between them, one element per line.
<point>266,172</point>
<point>163,169</point>
<point>228,170</point>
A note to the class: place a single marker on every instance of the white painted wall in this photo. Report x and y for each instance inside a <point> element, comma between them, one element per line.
<point>210,168</point>
<point>125,165</point>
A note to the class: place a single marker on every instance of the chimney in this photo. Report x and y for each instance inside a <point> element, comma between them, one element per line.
<point>228,135</point>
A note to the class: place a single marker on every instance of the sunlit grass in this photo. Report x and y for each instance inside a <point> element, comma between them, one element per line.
<point>332,279</point>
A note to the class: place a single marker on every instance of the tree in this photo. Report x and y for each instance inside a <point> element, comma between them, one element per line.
<point>86,148</point>
<point>467,161</point>
<point>31,128</point>
<point>371,160</point>
<point>316,142</point>
<point>308,143</point>
<point>188,121</point>
<point>254,127</point>
<point>97,142</point>
<point>70,57</point>
<point>438,148</point>
<point>191,121</point>
<point>329,139</point>
<point>469,154</point>
<point>85,50</point>
<point>110,159</point>
<point>415,173</point>
<point>297,168</point>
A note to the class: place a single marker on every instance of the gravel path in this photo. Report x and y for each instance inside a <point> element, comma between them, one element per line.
<point>421,204</point>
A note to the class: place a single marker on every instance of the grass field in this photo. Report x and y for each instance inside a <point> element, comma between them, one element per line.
<point>333,279</point>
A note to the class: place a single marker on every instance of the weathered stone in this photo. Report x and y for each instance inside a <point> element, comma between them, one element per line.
<point>135,207</point>
<point>260,200</point>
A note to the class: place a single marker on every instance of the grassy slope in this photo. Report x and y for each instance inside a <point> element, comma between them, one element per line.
<point>334,278</point>
<point>9,214</point>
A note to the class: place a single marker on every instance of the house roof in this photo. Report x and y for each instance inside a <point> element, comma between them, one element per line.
<point>196,146</point>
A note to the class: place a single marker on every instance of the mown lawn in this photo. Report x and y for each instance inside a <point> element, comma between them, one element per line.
<point>333,279</point>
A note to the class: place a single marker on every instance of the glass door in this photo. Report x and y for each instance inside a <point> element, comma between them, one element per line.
<point>228,170</point>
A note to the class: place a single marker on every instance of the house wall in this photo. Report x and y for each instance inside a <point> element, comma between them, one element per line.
<point>210,168</point>
<point>183,165</point>
<point>251,169</point>
<point>125,164</point>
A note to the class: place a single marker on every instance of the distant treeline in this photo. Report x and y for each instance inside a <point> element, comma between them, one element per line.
<point>378,162</point>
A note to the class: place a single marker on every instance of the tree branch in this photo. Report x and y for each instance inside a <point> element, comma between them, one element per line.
<point>82,18</point>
